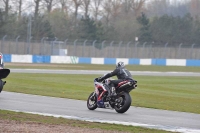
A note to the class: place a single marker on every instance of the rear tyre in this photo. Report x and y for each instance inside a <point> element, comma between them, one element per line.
<point>92,101</point>
<point>124,103</point>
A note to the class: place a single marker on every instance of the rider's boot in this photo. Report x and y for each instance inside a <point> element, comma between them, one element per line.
<point>113,92</point>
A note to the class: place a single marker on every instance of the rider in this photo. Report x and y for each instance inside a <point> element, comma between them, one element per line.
<point>122,74</point>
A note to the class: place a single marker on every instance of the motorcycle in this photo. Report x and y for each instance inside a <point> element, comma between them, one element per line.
<point>101,98</point>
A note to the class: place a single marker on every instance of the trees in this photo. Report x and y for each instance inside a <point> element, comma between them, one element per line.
<point>77,4</point>
<point>2,23</point>
<point>49,4</point>
<point>137,6</point>
<point>63,4</point>
<point>119,20</point>
<point>60,24</point>
<point>172,29</point>
<point>6,7</point>
<point>42,28</point>
<point>196,31</point>
<point>89,29</point>
<point>194,8</point>
<point>85,5</point>
<point>37,4</point>
<point>19,4</point>
<point>145,34</point>
<point>96,4</point>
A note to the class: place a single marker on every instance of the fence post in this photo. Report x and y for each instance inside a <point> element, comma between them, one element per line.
<point>144,51</point>
<point>66,42</point>
<point>119,48</point>
<point>165,52</point>
<point>2,43</point>
<point>192,49</point>
<point>150,48</point>
<point>42,42</point>
<point>102,45</point>
<point>93,45</point>
<point>136,49</point>
<point>16,44</point>
<point>110,47</point>
<point>52,45</point>
<point>28,48</point>
<point>75,47</point>
<point>179,50</point>
<point>44,45</point>
<point>127,47</point>
<point>83,49</point>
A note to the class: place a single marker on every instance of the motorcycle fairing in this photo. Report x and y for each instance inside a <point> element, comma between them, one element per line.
<point>99,87</point>
<point>4,73</point>
<point>121,83</point>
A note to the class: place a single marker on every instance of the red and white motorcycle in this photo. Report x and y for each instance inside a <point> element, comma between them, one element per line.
<point>101,98</point>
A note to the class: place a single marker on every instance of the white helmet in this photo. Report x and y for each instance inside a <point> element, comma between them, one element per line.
<point>120,65</point>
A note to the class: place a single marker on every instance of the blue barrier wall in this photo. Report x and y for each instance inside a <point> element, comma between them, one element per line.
<point>192,62</point>
<point>41,59</point>
<point>85,60</point>
<point>159,62</point>
<point>109,61</point>
<point>134,61</point>
<point>7,58</point>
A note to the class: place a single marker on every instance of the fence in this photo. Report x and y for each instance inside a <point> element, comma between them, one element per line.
<point>104,49</point>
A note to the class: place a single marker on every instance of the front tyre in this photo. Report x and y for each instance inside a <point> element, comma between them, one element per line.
<point>1,85</point>
<point>92,101</point>
<point>124,103</point>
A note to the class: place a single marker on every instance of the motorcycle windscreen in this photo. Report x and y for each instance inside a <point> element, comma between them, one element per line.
<point>4,73</point>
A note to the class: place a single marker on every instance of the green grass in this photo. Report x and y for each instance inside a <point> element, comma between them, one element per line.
<point>101,67</point>
<point>24,117</point>
<point>169,93</point>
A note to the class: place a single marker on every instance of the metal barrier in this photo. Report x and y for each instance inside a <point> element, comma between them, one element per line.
<point>104,49</point>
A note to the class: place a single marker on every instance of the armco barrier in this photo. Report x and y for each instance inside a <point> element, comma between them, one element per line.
<point>84,60</point>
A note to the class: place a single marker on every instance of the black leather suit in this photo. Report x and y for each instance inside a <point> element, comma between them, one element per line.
<point>121,73</point>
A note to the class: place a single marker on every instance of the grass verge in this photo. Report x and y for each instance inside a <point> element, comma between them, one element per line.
<point>24,117</point>
<point>168,93</point>
<point>101,67</point>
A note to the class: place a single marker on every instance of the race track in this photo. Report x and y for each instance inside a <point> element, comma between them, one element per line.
<point>76,109</point>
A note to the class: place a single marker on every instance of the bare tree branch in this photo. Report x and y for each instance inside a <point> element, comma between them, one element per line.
<point>37,4</point>
<point>136,6</point>
<point>49,4</point>
<point>95,7</point>
<point>85,5</point>
<point>6,2</point>
<point>77,4</point>
<point>64,5</point>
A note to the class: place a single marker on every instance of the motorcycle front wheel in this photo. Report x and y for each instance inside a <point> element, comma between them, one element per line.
<point>124,103</point>
<point>1,85</point>
<point>92,101</point>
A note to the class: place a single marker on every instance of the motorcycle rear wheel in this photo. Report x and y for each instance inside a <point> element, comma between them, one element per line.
<point>125,103</point>
<point>92,101</point>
